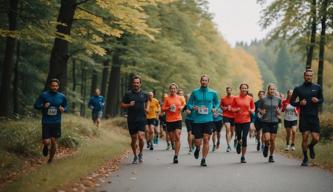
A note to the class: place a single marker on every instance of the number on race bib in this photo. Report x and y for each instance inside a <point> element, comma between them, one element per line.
<point>203,110</point>
<point>52,111</point>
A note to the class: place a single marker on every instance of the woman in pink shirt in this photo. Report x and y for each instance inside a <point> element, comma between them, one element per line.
<point>243,107</point>
<point>173,105</point>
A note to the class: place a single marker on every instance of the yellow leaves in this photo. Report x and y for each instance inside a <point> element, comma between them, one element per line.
<point>94,49</point>
<point>8,33</point>
<point>97,23</point>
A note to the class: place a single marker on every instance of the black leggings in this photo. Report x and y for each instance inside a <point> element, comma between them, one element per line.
<point>242,130</point>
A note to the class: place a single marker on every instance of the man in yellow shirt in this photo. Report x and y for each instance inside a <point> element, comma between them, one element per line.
<point>152,120</point>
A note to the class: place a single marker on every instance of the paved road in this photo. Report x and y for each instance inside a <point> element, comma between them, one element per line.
<point>224,173</point>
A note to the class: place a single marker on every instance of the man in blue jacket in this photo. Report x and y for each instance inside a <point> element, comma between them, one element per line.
<point>203,102</point>
<point>310,97</point>
<point>52,104</point>
<point>96,103</point>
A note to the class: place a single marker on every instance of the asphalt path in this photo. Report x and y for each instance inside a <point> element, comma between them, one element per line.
<point>223,173</point>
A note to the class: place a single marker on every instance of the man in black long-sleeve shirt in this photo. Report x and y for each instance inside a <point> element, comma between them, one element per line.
<point>310,97</point>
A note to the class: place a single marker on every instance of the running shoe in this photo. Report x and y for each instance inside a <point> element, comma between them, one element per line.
<point>228,148</point>
<point>175,159</point>
<point>293,147</point>
<point>151,147</point>
<point>214,147</point>
<point>287,148</point>
<point>265,151</point>
<point>168,147</point>
<point>135,160</point>
<point>196,153</point>
<point>305,163</point>
<point>45,150</point>
<point>312,152</point>
<point>258,146</point>
<point>203,163</point>
<point>140,158</point>
<point>242,160</point>
<point>271,159</point>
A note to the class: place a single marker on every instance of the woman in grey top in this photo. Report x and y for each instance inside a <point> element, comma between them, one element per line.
<point>269,107</point>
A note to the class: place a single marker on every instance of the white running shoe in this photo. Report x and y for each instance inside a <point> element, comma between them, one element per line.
<point>287,148</point>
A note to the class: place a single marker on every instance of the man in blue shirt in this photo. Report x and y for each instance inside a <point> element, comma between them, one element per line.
<point>203,102</point>
<point>52,104</point>
<point>96,103</point>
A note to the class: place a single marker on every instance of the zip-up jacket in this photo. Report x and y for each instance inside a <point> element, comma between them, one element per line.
<point>96,103</point>
<point>206,99</point>
<point>271,104</point>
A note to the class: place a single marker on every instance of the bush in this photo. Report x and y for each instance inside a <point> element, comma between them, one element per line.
<point>21,137</point>
<point>326,126</point>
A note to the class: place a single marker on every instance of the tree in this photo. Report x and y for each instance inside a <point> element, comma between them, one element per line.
<point>5,91</point>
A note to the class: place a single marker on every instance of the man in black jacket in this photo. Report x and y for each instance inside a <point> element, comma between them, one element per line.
<point>310,97</point>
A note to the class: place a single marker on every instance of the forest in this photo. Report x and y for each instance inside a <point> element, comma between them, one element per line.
<point>100,44</point>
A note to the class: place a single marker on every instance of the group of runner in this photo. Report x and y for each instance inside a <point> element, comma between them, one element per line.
<point>205,116</point>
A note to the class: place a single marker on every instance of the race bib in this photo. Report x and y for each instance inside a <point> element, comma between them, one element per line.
<point>173,108</point>
<point>52,111</point>
<point>203,110</point>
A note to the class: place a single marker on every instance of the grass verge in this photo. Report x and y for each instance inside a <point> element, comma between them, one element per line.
<point>94,149</point>
<point>324,152</point>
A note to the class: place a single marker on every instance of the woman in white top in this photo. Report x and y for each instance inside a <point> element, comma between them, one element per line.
<point>290,121</point>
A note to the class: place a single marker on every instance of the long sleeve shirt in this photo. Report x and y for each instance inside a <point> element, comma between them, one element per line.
<point>52,114</point>
<point>307,91</point>
<point>205,99</point>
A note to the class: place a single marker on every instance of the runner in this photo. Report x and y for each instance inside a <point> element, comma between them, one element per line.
<point>228,118</point>
<point>253,118</point>
<point>310,98</point>
<point>203,102</point>
<point>290,121</point>
<point>269,108</point>
<point>257,121</point>
<point>173,105</point>
<point>52,104</point>
<point>243,107</point>
<point>189,124</point>
<point>137,103</point>
<point>152,122</point>
<point>218,123</point>
<point>96,103</point>
<point>163,129</point>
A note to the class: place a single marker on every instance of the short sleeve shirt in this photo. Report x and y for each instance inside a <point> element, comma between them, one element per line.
<point>137,112</point>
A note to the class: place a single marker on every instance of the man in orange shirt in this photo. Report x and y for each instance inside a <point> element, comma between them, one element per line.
<point>243,107</point>
<point>228,117</point>
<point>173,105</point>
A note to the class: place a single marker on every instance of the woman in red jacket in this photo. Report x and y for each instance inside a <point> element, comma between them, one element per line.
<point>243,107</point>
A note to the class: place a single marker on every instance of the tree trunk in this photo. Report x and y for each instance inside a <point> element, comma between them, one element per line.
<point>322,42</point>
<point>313,34</point>
<point>112,103</point>
<point>74,83</point>
<point>94,79</point>
<point>5,93</point>
<point>106,67</point>
<point>59,53</point>
<point>83,90</point>
<point>16,80</point>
